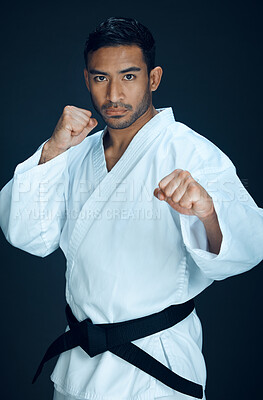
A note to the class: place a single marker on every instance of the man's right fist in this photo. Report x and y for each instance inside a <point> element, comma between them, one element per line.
<point>72,127</point>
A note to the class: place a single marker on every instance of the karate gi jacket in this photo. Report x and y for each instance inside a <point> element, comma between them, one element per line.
<point>129,254</point>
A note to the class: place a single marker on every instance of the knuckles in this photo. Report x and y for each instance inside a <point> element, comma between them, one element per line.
<point>68,118</point>
<point>178,174</point>
<point>162,185</point>
<point>190,190</point>
<point>67,109</point>
<point>175,197</point>
<point>184,175</point>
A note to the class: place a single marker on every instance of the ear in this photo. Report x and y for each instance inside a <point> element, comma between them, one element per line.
<point>86,76</point>
<point>155,78</point>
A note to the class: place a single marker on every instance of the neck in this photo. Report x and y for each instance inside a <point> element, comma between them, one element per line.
<point>119,139</point>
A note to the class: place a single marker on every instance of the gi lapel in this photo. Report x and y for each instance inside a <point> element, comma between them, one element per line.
<point>111,180</point>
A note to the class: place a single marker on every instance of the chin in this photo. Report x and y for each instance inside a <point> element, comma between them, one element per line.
<point>118,122</point>
<point>118,125</point>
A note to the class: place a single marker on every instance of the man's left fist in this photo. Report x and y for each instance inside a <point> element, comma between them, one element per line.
<point>185,195</point>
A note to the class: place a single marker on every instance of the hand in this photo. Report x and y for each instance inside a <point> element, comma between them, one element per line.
<point>185,195</point>
<point>72,128</point>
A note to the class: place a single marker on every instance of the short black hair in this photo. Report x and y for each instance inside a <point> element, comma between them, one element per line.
<point>121,31</point>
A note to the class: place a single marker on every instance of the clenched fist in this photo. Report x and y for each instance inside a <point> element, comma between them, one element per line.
<point>72,128</point>
<point>185,195</point>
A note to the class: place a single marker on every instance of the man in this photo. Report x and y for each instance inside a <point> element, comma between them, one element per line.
<point>147,212</point>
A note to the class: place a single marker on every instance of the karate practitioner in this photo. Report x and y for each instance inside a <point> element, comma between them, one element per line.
<point>147,212</point>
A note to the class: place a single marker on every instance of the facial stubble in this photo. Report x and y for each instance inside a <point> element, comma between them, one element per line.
<point>115,121</point>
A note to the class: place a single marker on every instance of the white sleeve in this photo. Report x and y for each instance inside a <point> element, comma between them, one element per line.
<point>32,204</point>
<point>241,223</point>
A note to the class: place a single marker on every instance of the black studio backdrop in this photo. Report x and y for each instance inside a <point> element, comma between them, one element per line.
<point>211,54</point>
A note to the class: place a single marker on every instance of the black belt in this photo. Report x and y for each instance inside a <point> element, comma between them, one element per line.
<point>116,337</point>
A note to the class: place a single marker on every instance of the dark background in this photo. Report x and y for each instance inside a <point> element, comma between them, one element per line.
<point>211,54</point>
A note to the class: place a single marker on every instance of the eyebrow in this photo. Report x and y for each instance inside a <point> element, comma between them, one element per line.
<point>130,69</point>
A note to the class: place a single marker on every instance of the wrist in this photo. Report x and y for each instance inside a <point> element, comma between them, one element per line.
<point>49,151</point>
<point>209,218</point>
<point>51,147</point>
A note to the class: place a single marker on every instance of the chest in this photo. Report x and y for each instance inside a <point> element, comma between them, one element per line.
<point>112,158</point>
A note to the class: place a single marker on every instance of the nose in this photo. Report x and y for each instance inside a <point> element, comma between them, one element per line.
<point>114,92</point>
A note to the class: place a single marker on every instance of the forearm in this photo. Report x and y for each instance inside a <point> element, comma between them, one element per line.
<point>213,232</point>
<point>49,151</point>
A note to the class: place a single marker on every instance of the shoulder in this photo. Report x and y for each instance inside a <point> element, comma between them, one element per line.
<point>195,151</point>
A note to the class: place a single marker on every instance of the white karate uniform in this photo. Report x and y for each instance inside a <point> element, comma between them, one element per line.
<point>128,253</point>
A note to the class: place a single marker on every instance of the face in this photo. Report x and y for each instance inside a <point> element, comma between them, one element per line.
<point>119,85</point>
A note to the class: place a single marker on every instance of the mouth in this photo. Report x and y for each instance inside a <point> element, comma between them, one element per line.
<point>116,111</point>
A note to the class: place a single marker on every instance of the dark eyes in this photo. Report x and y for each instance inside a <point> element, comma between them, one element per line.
<point>97,78</point>
<point>131,76</point>
<point>101,78</point>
